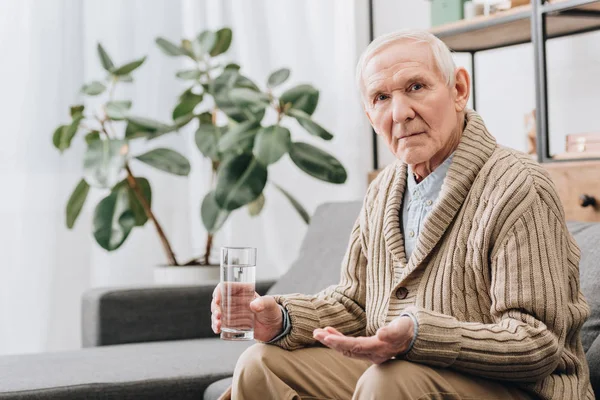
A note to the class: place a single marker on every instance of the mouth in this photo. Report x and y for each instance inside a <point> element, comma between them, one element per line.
<point>410,135</point>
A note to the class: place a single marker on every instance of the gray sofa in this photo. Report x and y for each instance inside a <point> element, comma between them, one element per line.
<point>156,343</point>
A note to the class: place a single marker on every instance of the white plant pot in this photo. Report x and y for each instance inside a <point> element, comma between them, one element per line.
<point>186,275</point>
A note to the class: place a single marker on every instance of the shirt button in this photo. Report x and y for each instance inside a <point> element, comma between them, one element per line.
<point>401,293</point>
<point>429,202</point>
<point>411,233</point>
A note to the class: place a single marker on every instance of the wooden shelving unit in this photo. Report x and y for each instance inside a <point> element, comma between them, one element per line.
<point>511,27</point>
<point>532,23</point>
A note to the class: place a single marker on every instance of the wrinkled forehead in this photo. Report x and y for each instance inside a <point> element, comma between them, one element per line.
<point>407,55</point>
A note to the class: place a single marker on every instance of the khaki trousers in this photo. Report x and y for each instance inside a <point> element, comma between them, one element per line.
<point>266,372</point>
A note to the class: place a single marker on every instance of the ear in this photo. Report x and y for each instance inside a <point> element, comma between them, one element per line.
<point>370,120</point>
<point>462,88</point>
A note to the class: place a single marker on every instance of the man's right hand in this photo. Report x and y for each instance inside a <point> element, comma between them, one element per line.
<point>268,319</point>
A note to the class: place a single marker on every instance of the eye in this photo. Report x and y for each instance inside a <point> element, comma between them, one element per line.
<point>416,87</point>
<point>381,97</point>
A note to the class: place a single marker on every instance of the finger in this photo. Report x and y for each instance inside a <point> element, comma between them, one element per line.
<point>320,334</point>
<point>333,331</point>
<point>215,325</point>
<point>217,294</point>
<point>353,345</point>
<point>214,306</point>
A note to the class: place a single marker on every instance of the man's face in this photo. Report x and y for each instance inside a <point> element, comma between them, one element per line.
<point>409,103</point>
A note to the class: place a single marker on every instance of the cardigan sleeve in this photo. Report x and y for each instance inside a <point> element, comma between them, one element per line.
<point>529,298</point>
<point>341,306</point>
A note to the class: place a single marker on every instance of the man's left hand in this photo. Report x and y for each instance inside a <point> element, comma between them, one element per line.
<point>388,342</point>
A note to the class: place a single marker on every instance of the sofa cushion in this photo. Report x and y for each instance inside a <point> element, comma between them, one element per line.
<point>587,236</point>
<point>159,370</point>
<point>319,261</point>
<point>215,390</point>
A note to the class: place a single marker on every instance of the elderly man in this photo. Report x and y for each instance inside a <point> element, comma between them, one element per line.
<point>460,280</point>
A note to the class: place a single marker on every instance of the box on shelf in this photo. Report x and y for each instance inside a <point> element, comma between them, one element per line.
<point>507,5</point>
<point>583,143</point>
<point>445,11</point>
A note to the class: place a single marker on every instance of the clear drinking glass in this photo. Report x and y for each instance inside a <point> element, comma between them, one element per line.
<point>238,269</point>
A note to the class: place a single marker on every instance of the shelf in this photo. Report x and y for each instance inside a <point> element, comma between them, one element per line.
<point>576,156</point>
<point>505,28</point>
<point>511,27</point>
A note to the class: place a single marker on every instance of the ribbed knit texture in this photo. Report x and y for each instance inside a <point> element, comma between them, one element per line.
<point>494,276</point>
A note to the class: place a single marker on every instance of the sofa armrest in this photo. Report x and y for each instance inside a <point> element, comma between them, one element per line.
<point>147,314</point>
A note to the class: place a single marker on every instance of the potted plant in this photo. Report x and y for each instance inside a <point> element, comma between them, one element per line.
<point>227,111</point>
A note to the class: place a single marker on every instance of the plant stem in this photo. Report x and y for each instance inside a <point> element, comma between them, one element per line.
<point>147,209</point>
<point>161,234</point>
<point>209,241</point>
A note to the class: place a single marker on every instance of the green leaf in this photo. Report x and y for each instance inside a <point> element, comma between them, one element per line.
<point>213,217</point>
<point>311,126</point>
<point>223,42</point>
<point>205,118</point>
<point>134,203</point>
<point>117,110</point>
<point>77,111</point>
<point>125,78</point>
<point>107,63</point>
<point>204,43</point>
<point>94,88</point>
<point>76,201</point>
<point>220,88</point>
<point>278,77</point>
<point>317,163</point>
<point>113,220</point>
<point>207,139</point>
<point>104,161</point>
<point>256,206</point>
<point>240,180</point>
<point>57,137</point>
<point>295,203</point>
<point>189,74</point>
<point>233,66</point>
<point>271,143</point>
<point>183,120</point>
<point>302,97</point>
<point>187,104</point>
<point>146,127</point>
<point>166,160</point>
<point>240,138</point>
<point>63,135</point>
<point>169,48</point>
<point>129,67</point>
<point>243,97</point>
<point>93,135</point>
<point>134,131</point>
<point>186,46</point>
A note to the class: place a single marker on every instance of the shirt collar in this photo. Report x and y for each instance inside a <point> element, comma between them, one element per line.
<point>431,186</point>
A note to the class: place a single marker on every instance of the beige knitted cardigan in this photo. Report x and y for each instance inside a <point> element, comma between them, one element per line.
<point>494,275</point>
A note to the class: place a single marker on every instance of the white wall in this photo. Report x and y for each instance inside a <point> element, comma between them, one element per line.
<point>505,80</point>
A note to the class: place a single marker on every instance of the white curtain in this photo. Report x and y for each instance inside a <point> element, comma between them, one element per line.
<point>48,50</point>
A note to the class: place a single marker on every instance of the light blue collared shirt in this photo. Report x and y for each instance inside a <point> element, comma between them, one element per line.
<point>419,199</point>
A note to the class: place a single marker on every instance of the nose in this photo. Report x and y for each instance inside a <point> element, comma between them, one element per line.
<point>402,110</point>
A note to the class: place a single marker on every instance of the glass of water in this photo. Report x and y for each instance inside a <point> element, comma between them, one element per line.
<point>238,269</point>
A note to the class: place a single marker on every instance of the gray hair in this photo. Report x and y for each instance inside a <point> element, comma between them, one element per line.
<point>441,53</point>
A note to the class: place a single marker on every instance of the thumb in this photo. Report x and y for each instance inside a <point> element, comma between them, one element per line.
<point>266,307</point>
<point>257,305</point>
<point>386,334</point>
